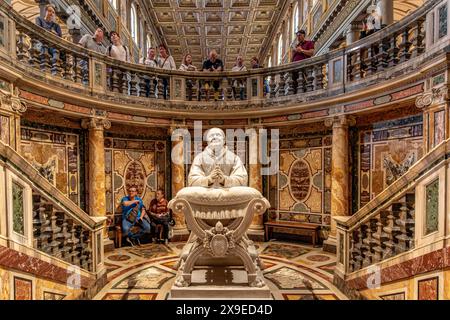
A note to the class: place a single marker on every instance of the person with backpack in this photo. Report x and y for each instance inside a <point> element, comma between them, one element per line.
<point>117,50</point>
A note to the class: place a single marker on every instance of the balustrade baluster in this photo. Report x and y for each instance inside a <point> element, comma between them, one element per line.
<point>418,39</point>
<point>44,58</point>
<point>77,77</point>
<point>382,56</point>
<point>370,244</point>
<point>393,51</point>
<point>34,54</point>
<point>371,61</point>
<point>405,46</point>
<point>301,82</point>
<point>125,83</point>
<point>356,65</point>
<point>133,83</point>
<point>142,85</point>
<point>115,80</point>
<point>68,67</point>
<point>22,46</point>
<point>318,77</point>
<point>160,88</point>
<point>309,79</point>
<point>272,86</point>
<point>56,67</point>
<point>289,84</point>
<point>350,66</point>
<point>281,85</point>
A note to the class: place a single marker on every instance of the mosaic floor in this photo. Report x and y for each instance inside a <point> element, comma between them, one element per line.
<point>293,272</point>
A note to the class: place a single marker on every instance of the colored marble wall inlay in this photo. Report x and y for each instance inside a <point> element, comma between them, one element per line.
<point>4,129</point>
<point>432,207</point>
<point>386,152</point>
<point>56,155</point>
<point>394,296</point>
<point>141,163</point>
<point>439,127</point>
<point>18,214</point>
<point>23,289</point>
<point>428,289</point>
<point>303,185</point>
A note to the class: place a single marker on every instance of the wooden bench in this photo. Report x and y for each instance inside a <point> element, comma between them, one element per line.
<point>292,228</point>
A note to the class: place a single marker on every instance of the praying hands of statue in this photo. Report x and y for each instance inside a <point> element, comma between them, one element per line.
<point>216,176</point>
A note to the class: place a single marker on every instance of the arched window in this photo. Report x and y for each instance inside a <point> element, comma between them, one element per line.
<point>305,10</point>
<point>113,3</point>
<point>134,23</point>
<point>295,21</point>
<point>148,43</point>
<point>269,63</point>
<point>280,49</point>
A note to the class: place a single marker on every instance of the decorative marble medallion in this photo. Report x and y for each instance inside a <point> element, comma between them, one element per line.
<point>285,251</point>
<point>150,278</point>
<point>289,279</point>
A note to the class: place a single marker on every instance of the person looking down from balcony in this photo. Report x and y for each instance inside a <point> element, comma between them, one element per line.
<point>188,66</point>
<point>254,62</point>
<point>166,62</point>
<point>117,50</point>
<point>213,64</point>
<point>95,42</point>
<point>239,66</point>
<point>48,22</point>
<point>135,221</point>
<point>150,61</point>
<point>303,49</point>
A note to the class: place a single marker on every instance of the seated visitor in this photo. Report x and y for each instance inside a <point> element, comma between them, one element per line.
<point>134,219</point>
<point>152,62</point>
<point>188,66</point>
<point>239,83</point>
<point>160,217</point>
<point>213,64</point>
<point>166,62</point>
<point>95,42</point>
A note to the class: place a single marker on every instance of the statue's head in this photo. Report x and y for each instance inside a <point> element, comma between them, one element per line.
<point>215,138</point>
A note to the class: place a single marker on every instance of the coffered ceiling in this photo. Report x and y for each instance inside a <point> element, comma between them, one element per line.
<point>232,27</point>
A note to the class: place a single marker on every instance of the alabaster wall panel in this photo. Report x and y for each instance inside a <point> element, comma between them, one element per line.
<point>140,163</point>
<point>385,152</point>
<point>301,190</point>
<point>4,129</point>
<point>56,156</point>
<point>4,285</point>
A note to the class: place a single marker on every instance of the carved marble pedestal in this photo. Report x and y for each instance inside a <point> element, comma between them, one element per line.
<point>219,260</point>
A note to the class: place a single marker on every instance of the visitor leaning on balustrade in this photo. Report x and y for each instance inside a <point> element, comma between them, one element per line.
<point>48,22</point>
<point>152,62</point>
<point>213,64</point>
<point>254,62</point>
<point>239,83</point>
<point>165,62</point>
<point>301,49</point>
<point>188,66</point>
<point>95,42</point>
<point>117,50</point>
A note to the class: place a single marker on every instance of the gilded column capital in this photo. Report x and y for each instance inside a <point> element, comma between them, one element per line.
<point>95,123</point>
<point>435,96</point>
<point>340,121</point>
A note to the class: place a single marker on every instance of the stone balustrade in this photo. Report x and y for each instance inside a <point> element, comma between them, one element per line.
<point>399,219</point>
<point>45,56</point>
<point>45,220</point>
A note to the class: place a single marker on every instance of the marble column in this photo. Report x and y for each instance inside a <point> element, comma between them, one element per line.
<point>387,12</point>
<point>256,229</point>
<point>178,182</point>
<point>340,182</point>
<point>97,177</point>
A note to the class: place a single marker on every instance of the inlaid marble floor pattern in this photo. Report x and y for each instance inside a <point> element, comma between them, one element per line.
<point>292,272</point>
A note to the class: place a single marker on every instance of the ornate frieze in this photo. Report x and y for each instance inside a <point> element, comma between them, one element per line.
<point>435,96</point>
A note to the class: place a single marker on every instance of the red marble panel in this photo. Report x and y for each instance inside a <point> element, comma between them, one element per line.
<point>275,119</point>
<point>14,260</point>
<point>119,116</point>
<point>359,105</point>
<point>314,114</point>
<point>23,289</point>
<point>78,109</point>
<point>33,97</point>
<point>159,121</point>
<point>428,289</point>
<point>408,92</point>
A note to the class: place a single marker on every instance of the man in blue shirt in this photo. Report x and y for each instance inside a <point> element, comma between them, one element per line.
<point>134,226</point>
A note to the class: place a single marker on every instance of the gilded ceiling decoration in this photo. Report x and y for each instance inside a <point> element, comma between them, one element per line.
<point>232,27</point>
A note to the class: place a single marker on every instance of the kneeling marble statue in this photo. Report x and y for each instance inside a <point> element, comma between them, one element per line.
<point>218,208</point>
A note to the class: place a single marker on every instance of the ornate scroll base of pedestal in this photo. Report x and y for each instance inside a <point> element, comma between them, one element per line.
<point>219,261</point>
